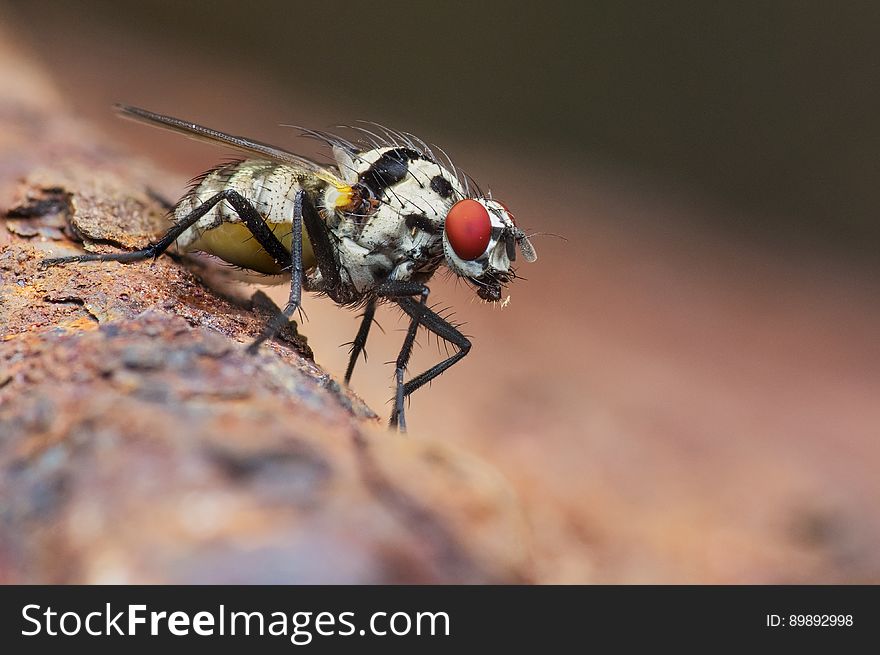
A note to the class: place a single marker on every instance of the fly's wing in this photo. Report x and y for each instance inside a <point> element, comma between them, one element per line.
<point>243,144</point>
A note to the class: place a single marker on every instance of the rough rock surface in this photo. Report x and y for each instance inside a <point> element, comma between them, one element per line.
<point>138,441</point>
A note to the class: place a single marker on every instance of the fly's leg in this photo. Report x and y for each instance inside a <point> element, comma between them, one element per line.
<point>305,216</point>
<point>398,418</point>
<point>420,314</point>
<point>296,278</point>
<point>242,207</point>
<point>325,253</point>
<point>360,340</point>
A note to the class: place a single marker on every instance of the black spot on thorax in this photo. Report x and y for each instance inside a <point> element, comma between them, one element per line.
<point>389,169</point>
<point>421,222</point>
<point>441,185</point>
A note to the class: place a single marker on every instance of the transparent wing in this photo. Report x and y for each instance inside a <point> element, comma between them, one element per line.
<point>243,144</point>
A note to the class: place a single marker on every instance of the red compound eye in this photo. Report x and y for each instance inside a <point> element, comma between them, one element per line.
<point>468,229</point>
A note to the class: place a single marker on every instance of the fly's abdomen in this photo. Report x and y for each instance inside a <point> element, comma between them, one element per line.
<point>270,188</point>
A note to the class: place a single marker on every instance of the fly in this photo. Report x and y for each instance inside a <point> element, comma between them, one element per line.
<point>373,228</point>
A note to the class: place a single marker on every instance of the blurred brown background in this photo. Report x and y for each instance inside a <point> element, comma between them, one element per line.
<point>685,389</point>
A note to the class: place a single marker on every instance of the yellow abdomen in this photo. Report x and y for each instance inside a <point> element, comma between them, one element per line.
<point>233,243</point>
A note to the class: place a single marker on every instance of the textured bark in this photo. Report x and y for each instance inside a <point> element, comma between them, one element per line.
<point>138,441</point>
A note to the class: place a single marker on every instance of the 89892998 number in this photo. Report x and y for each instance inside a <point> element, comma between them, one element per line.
<point>820,620</point>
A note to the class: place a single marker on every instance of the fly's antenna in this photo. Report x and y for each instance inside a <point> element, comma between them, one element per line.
<point>525,246</point>
<point>545,234</point>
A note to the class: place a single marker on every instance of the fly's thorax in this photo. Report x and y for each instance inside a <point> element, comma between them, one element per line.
<point>405,197</point>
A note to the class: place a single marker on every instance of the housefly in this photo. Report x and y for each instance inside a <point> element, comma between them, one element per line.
<point>372,228</point>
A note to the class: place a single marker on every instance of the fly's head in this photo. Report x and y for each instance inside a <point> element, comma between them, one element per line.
<point>480,240</point>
